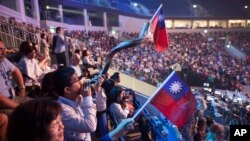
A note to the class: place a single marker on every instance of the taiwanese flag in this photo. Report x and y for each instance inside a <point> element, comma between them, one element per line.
<point>175,100</point>
<point>159,31</point>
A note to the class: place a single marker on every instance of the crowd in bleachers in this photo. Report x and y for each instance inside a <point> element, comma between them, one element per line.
<point>198,56</point>
<point>241,40</point>
<point>220,110</point>
<point>71,113</point>
<point>95,40</point>
<point>35,78</point>
<point>22,30</point>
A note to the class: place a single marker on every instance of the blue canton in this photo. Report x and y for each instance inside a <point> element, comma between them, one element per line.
<point>184,89</point>
<point>161,20</point>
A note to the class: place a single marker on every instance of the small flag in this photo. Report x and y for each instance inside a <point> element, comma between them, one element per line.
<point>159,31</point>
<point>175,100</point>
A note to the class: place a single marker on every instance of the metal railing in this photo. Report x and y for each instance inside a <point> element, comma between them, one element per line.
<point>13,35</point>
<point>10,41</point>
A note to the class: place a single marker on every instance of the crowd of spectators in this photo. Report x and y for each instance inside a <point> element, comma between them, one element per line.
<point>200,56</point>
<point>240,40</point>
<point>220,110</point>
<point>94,39</point>
<point>36,79</point>
<point>190,51</point>
<point>22,30</point>
<point>74,113</point>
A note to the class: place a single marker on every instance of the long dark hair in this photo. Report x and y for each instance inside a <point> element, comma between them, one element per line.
<point>25,48</point>
<point>115,93</point>
<point>30,121</point>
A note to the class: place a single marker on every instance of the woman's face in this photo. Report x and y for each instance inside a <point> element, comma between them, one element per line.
<point>120,97</point>
<point>56,129</point>
<point>32,54</point>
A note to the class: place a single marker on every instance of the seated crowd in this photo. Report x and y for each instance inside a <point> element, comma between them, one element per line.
<point>190,51</point>
<point>22,30</point>
<point>195,53</point>
<point>71,113</point>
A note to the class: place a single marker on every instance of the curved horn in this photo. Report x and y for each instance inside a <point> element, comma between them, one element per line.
<point>121,46</point>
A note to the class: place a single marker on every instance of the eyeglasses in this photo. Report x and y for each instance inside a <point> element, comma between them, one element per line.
<point>75,81</point>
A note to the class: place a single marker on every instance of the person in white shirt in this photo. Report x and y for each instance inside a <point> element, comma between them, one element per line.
<point>78,109</point>
<point>101,105</point>
<point>89,62</point>
<point>118,106</point>
<point>120,110</point>
<point>30,67</point>
<point>75,64</point>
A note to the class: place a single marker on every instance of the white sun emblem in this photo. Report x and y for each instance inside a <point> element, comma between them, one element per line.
<point>175,87</point>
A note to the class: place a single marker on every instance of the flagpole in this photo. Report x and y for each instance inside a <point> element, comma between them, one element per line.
<point>156,13</point>
<point>154,94</point>
<point>151,20</point>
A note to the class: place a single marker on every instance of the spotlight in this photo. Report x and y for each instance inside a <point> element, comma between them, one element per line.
<point>135,4</point>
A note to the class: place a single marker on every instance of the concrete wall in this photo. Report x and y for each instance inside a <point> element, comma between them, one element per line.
<point>135,84</point>
<point>7,12</point>
<point>130,24</point>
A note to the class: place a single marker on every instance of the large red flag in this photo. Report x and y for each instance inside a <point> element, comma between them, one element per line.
<point>175,100</point>
<point>159,31</point>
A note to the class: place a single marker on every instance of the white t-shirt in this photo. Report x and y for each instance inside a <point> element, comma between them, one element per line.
<point>31,68</point>
<point>6,69</point>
